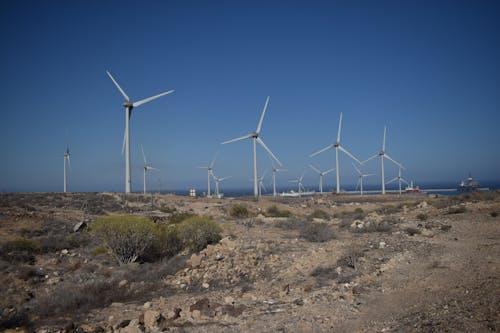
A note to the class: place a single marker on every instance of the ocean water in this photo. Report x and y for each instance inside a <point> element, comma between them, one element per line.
<point>441,188</point>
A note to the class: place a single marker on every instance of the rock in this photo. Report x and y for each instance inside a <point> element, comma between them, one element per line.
<point>228,243</point>
<point>174,314</point>
<point>122,283</point>
<point>205,285</point>
<point>64,252</point>
<point>381,245</point>
<point>219,257</point>
<point>423,204</point>
<point>53,280</point>
<point>196,314</point>
<point>205,307</point>
<point>147,305</point>
<point>195,260</point>
<point>80,226</point>
<point>133,327</point>
<point>298,301</point>
<point>123,324</point>
<point>228,300</point>
<point>151,318</point>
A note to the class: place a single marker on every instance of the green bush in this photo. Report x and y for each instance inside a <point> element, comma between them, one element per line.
<point>359,210</point>
<point>127,236</point>
<point>165,244</point>
<point>178,217</point>
<point>198,232</point>
<point>274,211</point>
<point>239,211</point>
<point>100,250</point>
<point>320,214</point>
<point>21,245</point>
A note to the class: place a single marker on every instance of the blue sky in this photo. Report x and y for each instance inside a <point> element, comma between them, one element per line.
<point>428,70</point>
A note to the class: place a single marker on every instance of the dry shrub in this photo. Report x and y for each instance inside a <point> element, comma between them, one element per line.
<point>20,244</point>
<point>292,223</point>
<point>317,232</point>
<point>456,210</point>
<point>274,211</point>
<point>412,231</point>
<point>320,214</point>
<point>239,211</point>
<point>178,217</point>
<point>324,274</point>
<point>422,217</point>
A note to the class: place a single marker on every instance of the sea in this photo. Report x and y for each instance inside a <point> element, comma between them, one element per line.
<point>438,188</point>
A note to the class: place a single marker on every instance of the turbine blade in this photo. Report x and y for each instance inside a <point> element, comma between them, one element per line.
<point>202,167</point>
<point>221,179</point>
<point>392,180</point>
<point>149,99</point>
<point>383,142</point>
<point>238,139</point>
<point>349,154</point>
<point>393,161</point>
<point>118,86</point>
<point>69,162</point>
<point>143,156</point>
<point>322,150</point>
<point>404,180</point>
<point>314,168</point>
<point>371,158</point>
<point>123,144</point>
<point>355,167</point>
<point>357,184</point>
<point>211,165</point>
<point>328,171</point>
<point>340,127</point>
<point>262,116</point>
<point>259,140</point>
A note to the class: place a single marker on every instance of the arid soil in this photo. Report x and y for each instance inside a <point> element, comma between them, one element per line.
<point>413,263</point>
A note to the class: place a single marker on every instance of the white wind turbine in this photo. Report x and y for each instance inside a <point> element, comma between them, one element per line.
<point>129,105</point>
<point>337,147</point>
<point>146,169</point>
<point>399,179</point>
<point>255,138</point>
<point>360,178</point>
<point>275,170</point>
<point>299,183</point>
<point>261,184</point>
<point>383,155</point>
<point>66,159</point>
<point>321,174</point>
<point>209,168</point>
<point>217,181</point>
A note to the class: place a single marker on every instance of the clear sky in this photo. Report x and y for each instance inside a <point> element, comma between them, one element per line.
<point>428,70</point>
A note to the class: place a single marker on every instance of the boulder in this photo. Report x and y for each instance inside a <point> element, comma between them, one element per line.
<point>80,226</point>
<point>151,319</point>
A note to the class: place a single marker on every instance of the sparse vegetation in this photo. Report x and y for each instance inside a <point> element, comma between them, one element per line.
<point>274,211</point>
<point>317,232</point>
<point>320,214</point>
<point>239,211</point>
<point>20,245</point>
<point>412,231</point>
<point>178,217</point>
<point>422,217</point>
<point>198,232</point>
<point>292,223</point>
<point>127,236</point>
<point>456,210</point>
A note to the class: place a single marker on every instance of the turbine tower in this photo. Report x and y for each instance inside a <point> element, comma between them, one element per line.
<point>66,159</point>
<point>321,174</point>
<point>337,147</point>
<point>383,155</point>
<point>275,170</point>
<point>209,168</point>
<point>399,179</point>
<point>360,178</point>
<point>255,138</point>
<point>146,169</point>
<point>129,105</point>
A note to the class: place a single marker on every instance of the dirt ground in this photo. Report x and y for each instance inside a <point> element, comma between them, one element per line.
<point>413,263</point>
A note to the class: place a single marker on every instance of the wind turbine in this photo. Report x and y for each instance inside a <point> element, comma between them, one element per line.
<point>299,183</point>
<point>217,181</point>
<point>337,147</point>
<point>383,155</point>
<point>321,174</point>
<point>66,158</point>
<point>261,184</point>
<point>399,179</point>
<point>360,179</point>
<point>146,169</point>
<point>275,170</point>
<point>255,138</point>
<point>129,105</point>
<point>209,168</point>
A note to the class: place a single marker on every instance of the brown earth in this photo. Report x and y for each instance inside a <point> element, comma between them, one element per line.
<point>392,264</point>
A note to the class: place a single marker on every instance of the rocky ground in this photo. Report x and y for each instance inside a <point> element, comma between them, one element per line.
<point>331,263</point>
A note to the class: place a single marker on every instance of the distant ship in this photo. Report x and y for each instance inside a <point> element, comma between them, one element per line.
<point>469,185</point>
<point>412,189</point>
